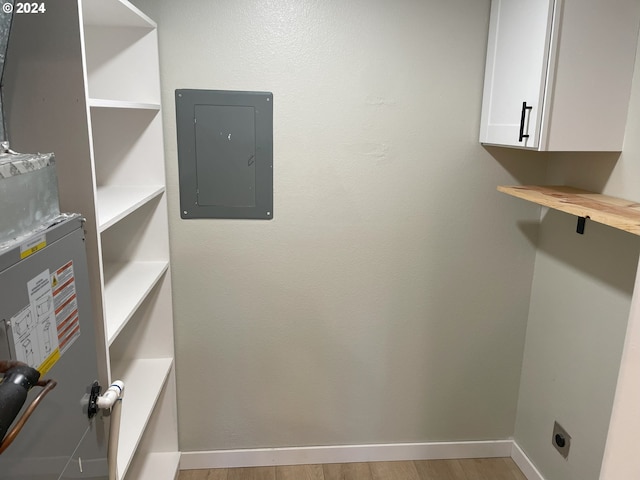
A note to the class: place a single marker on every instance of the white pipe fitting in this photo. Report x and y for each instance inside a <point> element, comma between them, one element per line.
<point>111,395</point>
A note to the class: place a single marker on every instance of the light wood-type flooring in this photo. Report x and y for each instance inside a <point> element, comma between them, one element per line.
<point>467,469</point>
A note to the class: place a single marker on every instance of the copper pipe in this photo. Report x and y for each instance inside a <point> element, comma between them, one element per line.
<point>11,436</point>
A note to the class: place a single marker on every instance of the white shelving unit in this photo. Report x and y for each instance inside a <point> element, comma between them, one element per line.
<point>92,96</point>
<point>123,93</point>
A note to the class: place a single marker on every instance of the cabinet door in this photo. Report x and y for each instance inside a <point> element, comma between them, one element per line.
<point>516,72</point>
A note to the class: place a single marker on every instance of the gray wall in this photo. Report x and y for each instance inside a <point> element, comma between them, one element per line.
<point>387,301</point>
<point>579,308</point>
<point>580,304</point>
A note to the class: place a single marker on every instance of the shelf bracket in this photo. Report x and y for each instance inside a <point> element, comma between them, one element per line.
<point>581,223</point>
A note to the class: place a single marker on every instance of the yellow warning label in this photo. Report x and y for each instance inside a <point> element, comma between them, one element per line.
<point>49,362</point>
<point>32,246</point>
<point>54,280</point>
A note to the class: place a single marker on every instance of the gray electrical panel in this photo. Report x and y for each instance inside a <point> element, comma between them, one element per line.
<point>225,154</point>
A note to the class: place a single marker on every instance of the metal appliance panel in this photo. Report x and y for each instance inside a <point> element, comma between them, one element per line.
<point>49,446</point>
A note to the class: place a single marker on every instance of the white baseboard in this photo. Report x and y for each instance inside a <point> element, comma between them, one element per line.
<point>346,454</point>
<point>524,464</point>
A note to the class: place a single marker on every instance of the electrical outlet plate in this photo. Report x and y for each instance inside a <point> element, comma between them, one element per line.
<point>561,440</point>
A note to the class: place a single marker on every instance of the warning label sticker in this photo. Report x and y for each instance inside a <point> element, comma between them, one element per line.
<point>65,304</point>
<point>49,325</point>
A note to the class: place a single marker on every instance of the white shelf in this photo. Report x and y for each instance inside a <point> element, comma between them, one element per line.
<point>106,103</point>
<point>114,14</point>
<point>143,381</point>
<point>116,202</point>
<point>126,287</point>
<point>156,466</point>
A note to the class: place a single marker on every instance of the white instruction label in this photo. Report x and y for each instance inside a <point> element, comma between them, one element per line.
<point>25,337</point>
<point>34,328</point>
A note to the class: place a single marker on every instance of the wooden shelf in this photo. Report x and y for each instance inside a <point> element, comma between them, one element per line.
<point>143,379</point>
<point>126,287</point>
<point>116,202</point>
<point>614,212</point>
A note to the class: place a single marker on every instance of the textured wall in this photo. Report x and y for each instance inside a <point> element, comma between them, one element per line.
<point>580,304</point>
<point>387,300</point>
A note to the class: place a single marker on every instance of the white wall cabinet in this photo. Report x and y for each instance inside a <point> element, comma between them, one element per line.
<point>558,74</point>
<point>82,80</point>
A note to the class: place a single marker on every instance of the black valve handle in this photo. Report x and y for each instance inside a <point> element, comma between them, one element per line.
<point>92,410</point>
<point>522,119</point>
